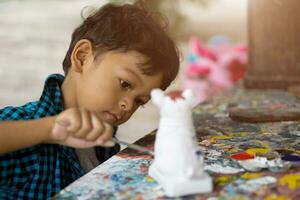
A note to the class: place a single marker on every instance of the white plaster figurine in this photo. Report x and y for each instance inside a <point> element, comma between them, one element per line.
<point>177,167</point>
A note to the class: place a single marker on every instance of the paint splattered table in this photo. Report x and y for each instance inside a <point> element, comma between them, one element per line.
<point>124,176</point>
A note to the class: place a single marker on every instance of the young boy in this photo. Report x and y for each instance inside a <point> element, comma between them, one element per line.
<point>116,57</point>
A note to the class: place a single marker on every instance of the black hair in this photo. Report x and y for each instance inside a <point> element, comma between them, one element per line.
<point>129,28</point>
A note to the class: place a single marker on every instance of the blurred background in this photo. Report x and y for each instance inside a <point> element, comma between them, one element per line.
<point>35,35</point>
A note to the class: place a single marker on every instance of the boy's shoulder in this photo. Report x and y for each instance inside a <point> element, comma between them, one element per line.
<point>17,113</point>
<point>50,102</point>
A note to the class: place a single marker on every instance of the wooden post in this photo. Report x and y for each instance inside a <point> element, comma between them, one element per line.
<point>274,43</point>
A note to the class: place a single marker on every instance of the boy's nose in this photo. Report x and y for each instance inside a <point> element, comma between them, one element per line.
<point>126,105</point>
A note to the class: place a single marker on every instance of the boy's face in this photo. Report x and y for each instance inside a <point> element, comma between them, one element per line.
<point>113,85</point>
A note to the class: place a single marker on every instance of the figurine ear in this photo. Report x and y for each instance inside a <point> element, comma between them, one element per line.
<point>188,95</point>
<point>157,97</point>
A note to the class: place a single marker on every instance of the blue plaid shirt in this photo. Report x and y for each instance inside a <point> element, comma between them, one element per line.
<point>40,171</point>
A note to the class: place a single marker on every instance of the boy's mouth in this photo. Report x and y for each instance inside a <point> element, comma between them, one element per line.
<point>112,117</point>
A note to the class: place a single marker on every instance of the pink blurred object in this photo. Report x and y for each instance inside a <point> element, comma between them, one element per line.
<point>235,60</point>
<point>211,70</point>
<point>199,49</point>
<point>197,70</point>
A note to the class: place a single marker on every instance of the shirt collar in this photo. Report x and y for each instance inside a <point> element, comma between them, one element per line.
<point>52,92</point>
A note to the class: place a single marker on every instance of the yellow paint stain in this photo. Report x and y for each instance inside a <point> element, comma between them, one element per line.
<point>265,132</point>
<point>249,175</point>
<point>149,179</point>
<point>263,144</point>
<point>276,197</point>
<point>291,180</point>
<point>235,197</point>
<point>293,150</point>
<point>297,151</point>
<point>231,151</point>
<point>239,134</point>
<point>254,151</point>
<point>223,180</point>
<point>219,137</point>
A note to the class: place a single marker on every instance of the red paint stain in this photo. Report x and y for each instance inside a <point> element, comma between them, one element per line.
<point>176,94</point>
<point>144,168</point>
<point>106,177</point>
<point>242,156</point>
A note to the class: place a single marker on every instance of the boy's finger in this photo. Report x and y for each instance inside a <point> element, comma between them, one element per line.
<point>72,118</point>
<point>107,134</point>
<point>86,125</point>
<point>59,131</point>
<point>63,123</point>
<point>109,143</point>
<point>98,128</point>
<point>79,143</point>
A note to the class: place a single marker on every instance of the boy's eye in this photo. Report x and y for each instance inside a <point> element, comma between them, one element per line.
<point>125,84</point>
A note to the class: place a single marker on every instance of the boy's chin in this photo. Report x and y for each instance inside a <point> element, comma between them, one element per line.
<point>120,122</point>
<point>113,119</point>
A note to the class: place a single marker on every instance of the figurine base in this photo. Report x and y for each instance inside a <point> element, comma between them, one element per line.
<point>175,187</point>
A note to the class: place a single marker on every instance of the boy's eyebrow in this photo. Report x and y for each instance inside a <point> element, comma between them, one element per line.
<point>135,75</point>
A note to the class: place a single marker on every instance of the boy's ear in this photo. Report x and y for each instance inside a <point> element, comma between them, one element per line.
<point>157,97</point>
<point>81,53</point>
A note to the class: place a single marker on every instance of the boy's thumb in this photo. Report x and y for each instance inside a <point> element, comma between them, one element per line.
<point>59,131</point>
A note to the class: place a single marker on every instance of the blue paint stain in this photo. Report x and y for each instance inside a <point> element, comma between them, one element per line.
<point>120,179</point>
<point>290,157</point>
<point>115,178</point>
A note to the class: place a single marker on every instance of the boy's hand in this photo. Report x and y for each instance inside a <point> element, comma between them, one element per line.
<point>80,128</point>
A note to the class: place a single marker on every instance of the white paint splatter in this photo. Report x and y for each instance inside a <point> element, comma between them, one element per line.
<point>255,164</point>
<point>254,184</point>
<point>216,168</point>
<point>259,163</point>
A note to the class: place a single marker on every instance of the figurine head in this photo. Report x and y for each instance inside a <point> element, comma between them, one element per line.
<point>173,105</point>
